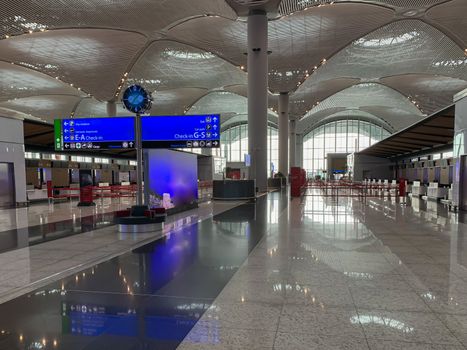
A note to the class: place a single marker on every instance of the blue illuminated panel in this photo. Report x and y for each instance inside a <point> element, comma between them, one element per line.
<point>96,133</point>
<point>186,131</point>
<point>171,173</point>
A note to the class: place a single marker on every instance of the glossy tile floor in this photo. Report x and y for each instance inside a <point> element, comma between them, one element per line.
<point>278,274</point>
<point>148,298</point>
<point>86,240</point>
<point>346,275</point>
<point>44,213</point>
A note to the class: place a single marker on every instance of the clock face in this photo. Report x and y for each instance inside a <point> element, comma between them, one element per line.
<point>136,99</point>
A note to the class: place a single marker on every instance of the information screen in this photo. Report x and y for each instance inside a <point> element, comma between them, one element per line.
<point>94,133</point>
<point>186,131</point>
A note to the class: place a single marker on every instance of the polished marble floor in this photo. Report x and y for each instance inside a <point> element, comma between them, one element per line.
<point>275,274</point>
<point>86,241</point>
<point>45,213</point>
<point>346,275</point>
<point>149,297</point>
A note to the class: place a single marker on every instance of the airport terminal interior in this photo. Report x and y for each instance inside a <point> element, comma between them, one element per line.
<point>233,174</point>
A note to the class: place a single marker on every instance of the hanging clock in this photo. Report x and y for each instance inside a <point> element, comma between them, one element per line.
<point>136,99</point>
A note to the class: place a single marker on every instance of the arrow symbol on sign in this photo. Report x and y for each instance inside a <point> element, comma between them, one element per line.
<point>214,126</point>
<point>131,144</point>
<point>66,137</point>
<point>66,130</point>
<point>215,134</point>
<point>214,119</point>
<point>67,145</point>
<point>66,123</point>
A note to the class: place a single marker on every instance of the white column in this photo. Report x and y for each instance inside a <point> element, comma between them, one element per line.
<point>299,150</point>
<point>459,181</point>
<point>284,133</point>
<point>258,97</point>
<point>293,144</point>
<point>111,109</point>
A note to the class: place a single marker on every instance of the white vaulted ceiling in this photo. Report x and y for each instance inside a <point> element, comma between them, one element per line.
<point>379,101</point>
<point>391,60</point>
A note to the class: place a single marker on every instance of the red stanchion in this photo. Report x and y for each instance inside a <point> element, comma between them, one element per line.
<point>50,190</point>
<point>86,197</point>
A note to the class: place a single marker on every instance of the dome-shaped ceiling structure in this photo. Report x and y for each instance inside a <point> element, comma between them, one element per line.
<point>408,56</point>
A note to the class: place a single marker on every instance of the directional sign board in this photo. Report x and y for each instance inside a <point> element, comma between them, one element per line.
<point>94,133</point>
<point>185,131</point>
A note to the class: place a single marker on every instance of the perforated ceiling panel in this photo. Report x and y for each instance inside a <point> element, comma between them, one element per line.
<point>287,7</point>
<point>147,16</point>
<point>202,53</point>
<point>93,60</point>
<point>221,102</point>
<point>301,41</point>
<point>17,82</point>
<point>431,92</point>
<point>298,42</point>
<point>241,90</point>
<point>231,107</point>
<point>403,47</point>
<point>90,108</point>
<point>452,15</point>
<point>47,107</point>
<point>376,99</point>
<point>170,65</point>
<point>170,102</point>
<point>309,94</point>
<point>228,40</point>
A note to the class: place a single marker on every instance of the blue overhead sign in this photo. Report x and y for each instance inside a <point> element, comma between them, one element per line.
<point>95,133</point>
<point>184,131</point>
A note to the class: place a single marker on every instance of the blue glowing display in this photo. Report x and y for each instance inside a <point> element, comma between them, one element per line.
<point>96,133</point>
<point>171,178</point>
<point>185,131</point>
<point>136,99</point>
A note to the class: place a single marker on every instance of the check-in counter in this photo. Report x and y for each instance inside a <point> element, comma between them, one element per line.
<point>418,189</point>
<point>434,192</point>
<point>35,194</point>
<point>233,189</point>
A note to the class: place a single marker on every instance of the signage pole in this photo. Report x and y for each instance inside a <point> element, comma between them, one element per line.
<point>139,160</point>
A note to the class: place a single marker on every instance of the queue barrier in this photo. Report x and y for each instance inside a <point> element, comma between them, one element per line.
<point>360,190</point>
<point>298,181</point>
<point>205,190</point>
<point>115,191</point>
<point>98,192</point>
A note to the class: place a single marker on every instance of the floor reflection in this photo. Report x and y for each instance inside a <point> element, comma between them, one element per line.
<point>28,236</point>
<point>147,299</point>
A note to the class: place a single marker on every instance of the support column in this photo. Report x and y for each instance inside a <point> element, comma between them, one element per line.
<point>459,179</point>
<point>293,144</point>
<point>299,150</point>
<point>284,133</point>
<point>258,97</point>
<point>111,109</point>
